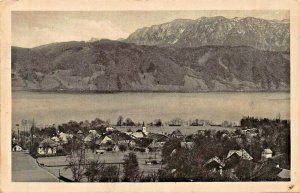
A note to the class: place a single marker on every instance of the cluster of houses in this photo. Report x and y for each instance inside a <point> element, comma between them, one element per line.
<point>270,166</point>
<point>111,140</point>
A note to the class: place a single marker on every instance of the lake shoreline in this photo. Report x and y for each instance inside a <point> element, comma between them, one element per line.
<point>147,107</point>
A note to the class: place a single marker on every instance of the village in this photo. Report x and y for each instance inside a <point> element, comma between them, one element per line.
<point>255,150</point>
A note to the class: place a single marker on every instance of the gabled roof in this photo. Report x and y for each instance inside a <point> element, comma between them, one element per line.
<point>48,142</point>
<point>215,159</point>
<point>138,134</point>
<point>105,139</point>
<point>176,133</point>
<point>241,153</point>
<point>92,136</point>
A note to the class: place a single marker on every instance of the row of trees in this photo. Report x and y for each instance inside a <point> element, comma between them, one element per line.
<point>96,171</point>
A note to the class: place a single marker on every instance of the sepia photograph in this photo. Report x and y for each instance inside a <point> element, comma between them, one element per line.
<point>151,97</point>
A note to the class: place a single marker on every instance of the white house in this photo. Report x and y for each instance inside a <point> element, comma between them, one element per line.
<point>64,137</point>
<point>266,153</point>
<point>47,146</point>
<point>56,139</point>
<point>109,129</point>
<point>93,131</point>
<point>17,148</point>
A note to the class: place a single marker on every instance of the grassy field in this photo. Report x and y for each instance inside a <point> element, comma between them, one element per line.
<point>107,157</point>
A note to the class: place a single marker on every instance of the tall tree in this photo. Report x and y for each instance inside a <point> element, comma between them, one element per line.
<point>76,162</point>
<point>120,121</point>
<point>131,167</point>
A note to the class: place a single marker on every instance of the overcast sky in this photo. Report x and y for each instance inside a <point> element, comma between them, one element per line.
<point>30,29</point>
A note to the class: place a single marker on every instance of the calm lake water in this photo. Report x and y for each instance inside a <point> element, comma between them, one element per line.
<point>55,108</point>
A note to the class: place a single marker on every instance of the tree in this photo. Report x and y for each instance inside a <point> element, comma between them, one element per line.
<point>120,121</point>
<point>168,147</point>
<point>93,170</point>
<point>109,173</point>
<point>76,162</point>
<point>94,139</point>
<point>176,121</point>
<point>129,122</point>
<point>131,167</point>
<point>158,123</point>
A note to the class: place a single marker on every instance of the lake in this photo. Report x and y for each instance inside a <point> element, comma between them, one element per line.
<point>55,108</point>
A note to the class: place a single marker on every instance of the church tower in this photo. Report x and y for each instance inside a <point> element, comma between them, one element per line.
<point>144,128</point>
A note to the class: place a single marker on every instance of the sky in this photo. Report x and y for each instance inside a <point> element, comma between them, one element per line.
<point>35,28</point>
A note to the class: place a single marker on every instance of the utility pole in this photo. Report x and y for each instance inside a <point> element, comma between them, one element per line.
<point>31,135</point>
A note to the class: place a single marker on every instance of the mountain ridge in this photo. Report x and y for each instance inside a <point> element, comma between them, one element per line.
<point>113,66</point>
<point>262,34</point>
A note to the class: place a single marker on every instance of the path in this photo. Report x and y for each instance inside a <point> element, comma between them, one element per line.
<point>25,169</point>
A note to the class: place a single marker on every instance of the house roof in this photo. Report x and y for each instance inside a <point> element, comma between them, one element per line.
<point>241,153</point>
<point>267,151</point>
<point>176,133</point>
<point>285,174</point>
<point>105,139</point>
<point>215,159</point>
<point>48,142</point>
<point>138,134</point>
<point>92,136</point>
<point>93,131</point>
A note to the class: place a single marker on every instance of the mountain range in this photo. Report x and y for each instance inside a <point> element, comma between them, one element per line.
<point>262,34</point>
<point>207,54</point>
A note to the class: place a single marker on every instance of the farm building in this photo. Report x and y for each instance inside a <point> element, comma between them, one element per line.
<point>47,146</point>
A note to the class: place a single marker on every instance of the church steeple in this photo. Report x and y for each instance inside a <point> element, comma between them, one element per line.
<point>143,127</point>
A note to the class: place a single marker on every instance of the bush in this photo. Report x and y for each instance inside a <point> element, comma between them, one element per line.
<point>109,174</point>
